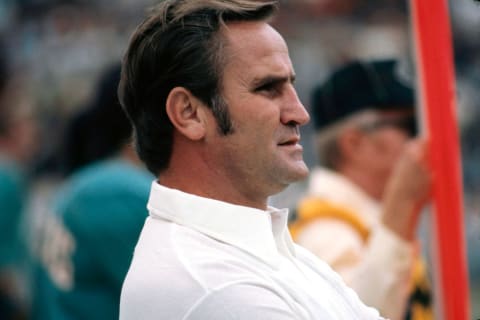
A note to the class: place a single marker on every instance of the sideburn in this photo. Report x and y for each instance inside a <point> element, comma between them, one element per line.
<point>222,115</point>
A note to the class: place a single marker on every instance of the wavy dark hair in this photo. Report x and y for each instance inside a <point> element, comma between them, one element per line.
<point>178,45</point>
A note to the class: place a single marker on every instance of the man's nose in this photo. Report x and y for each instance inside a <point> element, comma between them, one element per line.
<point>293,110</point>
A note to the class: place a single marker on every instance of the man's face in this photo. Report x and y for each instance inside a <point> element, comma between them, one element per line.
<point>387,141</point>
<point>262,154</point>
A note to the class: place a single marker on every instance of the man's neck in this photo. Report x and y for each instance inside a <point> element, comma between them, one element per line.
<point>209,189</point>
<point>200,180</point>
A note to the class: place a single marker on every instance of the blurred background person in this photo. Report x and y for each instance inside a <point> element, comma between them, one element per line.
<point>364,200</point>
<point>17,131</point>
<point>88,239</point>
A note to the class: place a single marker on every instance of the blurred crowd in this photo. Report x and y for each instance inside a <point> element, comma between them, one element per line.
<point>56,50</point>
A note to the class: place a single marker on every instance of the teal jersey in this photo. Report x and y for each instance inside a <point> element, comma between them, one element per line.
<point>89,243</point>
<point>12,196</point>
<point>13,251</point>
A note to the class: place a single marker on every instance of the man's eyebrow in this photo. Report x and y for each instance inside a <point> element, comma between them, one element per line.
<point>258,82</point>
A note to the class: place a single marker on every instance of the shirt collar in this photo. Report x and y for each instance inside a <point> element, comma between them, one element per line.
<point>263,234</point>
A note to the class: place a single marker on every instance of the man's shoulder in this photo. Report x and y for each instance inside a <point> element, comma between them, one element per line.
<point>167,252</point>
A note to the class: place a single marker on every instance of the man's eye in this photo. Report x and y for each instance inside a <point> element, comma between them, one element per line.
<point>269,88</point>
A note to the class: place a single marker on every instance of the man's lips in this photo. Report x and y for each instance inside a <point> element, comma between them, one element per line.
<point>290,142</point>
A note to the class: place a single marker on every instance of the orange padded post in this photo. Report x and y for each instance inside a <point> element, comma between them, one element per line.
<point>434,61</point>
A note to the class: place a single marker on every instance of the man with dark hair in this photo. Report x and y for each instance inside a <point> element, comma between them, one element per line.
<point>86,241</point>
<point>364,201</point>
<point>208,86</point>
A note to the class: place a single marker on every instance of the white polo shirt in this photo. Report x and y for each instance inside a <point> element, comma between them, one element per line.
<point>203,259</point>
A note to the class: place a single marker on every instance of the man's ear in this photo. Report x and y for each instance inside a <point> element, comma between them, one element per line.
<point>186,113</point>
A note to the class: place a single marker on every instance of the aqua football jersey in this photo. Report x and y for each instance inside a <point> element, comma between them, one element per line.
<point>13,193</point>
<point>12,196</point>
<point>89,242</point>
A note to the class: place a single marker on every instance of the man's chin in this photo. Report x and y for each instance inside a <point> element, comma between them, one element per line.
<point>299,172</point>
<point>303,169</point>
<point>291,178</point>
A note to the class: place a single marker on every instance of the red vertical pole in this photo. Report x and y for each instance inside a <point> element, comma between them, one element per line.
<point>434,59</point>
